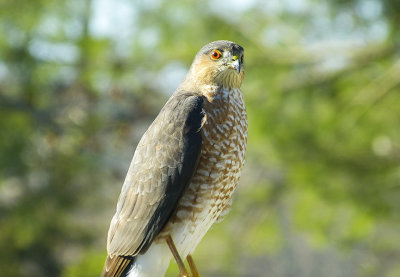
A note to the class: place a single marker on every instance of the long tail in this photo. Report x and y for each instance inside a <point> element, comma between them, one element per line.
<point>117,266</point>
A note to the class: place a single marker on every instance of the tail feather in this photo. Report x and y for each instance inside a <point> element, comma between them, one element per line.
<point>117,266</point>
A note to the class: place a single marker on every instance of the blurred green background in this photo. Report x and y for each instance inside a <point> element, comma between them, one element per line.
<point>80,81</point>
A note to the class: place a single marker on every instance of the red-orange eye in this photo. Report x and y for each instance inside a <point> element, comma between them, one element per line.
<point>216,54</point>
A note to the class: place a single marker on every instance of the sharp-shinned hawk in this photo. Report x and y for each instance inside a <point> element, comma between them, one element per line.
<point>184,170</point>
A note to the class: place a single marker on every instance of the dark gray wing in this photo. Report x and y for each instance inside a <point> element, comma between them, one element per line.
<point>162,166</point>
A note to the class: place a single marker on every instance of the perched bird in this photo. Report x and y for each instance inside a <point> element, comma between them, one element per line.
<point>184,170</point>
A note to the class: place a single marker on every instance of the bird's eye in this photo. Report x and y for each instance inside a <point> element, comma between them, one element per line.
<point>216,54</point>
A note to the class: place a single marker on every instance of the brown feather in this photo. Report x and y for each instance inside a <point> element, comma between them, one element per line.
<point>116,265</point>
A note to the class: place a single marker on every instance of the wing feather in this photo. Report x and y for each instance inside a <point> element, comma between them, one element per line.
<point>162,166</point>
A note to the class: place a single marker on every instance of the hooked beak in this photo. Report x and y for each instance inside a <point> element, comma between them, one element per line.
<point>235,63</point>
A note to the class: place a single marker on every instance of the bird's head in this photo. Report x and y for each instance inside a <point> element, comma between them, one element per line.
<point>219,63</point>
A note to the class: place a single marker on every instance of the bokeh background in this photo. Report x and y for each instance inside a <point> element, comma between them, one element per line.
<point>80,81</point>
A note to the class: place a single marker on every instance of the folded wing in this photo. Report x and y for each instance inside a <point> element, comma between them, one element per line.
<point>162,166</point>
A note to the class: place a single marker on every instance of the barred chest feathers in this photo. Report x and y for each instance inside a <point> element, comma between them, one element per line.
<point>225,138</point>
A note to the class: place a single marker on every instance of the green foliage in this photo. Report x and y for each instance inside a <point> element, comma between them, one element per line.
<point>80,81</point>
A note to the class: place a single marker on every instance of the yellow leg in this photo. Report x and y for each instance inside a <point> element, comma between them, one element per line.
<point>192,266</point>
<point>182,269</point>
